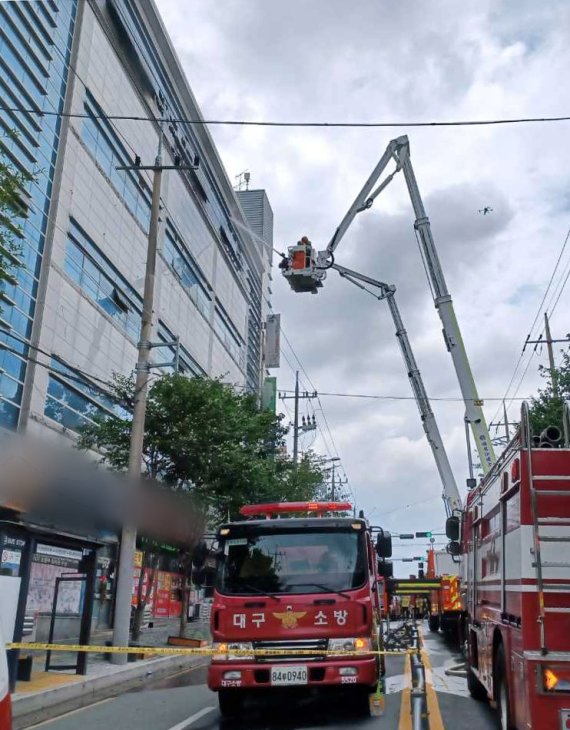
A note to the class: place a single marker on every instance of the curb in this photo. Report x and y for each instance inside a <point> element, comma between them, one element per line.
<point>41,706</point>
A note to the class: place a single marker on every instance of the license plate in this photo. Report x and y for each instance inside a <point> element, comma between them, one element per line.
<point>288,676</point>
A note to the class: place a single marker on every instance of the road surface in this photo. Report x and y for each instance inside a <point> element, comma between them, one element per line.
<point>184,702</point>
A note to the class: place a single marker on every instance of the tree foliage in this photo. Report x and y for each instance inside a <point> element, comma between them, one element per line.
<point>12,210</point>
<point>546,408</point>
<point>204,438</point>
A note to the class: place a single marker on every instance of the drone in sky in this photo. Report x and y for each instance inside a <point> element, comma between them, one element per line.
<point>485,210</point>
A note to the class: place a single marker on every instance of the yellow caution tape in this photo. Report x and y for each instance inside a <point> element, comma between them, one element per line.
<point>197,651</point>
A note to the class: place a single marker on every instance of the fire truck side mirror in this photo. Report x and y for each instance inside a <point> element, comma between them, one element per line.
<point>452,526</point>
<point>385,569</point>
<point>384,544</point>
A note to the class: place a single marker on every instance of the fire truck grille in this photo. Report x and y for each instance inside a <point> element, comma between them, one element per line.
<point>292,648</point>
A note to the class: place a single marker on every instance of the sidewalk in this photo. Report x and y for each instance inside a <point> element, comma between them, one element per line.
<point>52,693</point>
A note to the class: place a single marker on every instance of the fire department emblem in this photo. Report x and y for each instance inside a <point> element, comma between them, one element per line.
<point>289,618</point>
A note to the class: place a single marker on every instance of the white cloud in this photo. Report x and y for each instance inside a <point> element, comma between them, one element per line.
<point>378,60</point>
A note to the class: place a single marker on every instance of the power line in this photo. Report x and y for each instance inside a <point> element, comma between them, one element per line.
<point>334,451</point>
<point>374,396</point>
<point>274,123</point>
<point>537,315</point>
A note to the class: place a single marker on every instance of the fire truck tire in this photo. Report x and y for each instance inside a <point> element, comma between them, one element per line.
<point>476,689</point>
<point>361,701</point>
<point>433,623</point>
<point>501,685</point>
<point>230,702</point>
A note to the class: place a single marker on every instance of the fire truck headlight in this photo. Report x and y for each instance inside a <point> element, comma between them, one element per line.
<point>350,646</point>
<point>233,651</point>
<point>556,680</point>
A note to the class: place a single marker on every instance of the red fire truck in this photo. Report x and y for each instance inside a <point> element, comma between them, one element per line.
<point>516,544</point>
<point>303,584</point>
<point>446,606</point>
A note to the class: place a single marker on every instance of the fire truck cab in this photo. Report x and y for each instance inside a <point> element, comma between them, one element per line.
<point>290,592</point>
<point>516,545</point>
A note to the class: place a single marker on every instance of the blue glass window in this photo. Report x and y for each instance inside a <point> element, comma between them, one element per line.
<point>186,363</point>
<point>228,335</point>
<point>185,269</point>
<point>86,265</point>
<point>74,402</point>
<point>109,152</point>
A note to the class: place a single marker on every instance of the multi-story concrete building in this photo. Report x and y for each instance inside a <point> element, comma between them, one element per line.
<point>99,69</point>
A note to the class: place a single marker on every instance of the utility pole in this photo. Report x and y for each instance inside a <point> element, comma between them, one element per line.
<point>296,421</point>
<point>307,425</point>
<point>123,593</point>
<point>549,342</point>
<point>553,375</point>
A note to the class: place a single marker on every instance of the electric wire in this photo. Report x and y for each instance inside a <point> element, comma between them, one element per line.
<point>294,123</point>
<point>530,334</point>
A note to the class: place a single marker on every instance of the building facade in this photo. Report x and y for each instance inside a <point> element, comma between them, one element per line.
<point>73,317</point>
<point>81,84</point>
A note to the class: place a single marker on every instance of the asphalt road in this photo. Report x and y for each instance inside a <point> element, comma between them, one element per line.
<point>184,701</point>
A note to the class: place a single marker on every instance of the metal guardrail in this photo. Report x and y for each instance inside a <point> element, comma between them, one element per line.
<point>418,695</point>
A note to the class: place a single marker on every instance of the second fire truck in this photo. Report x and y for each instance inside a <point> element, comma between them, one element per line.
<point>516,543</point>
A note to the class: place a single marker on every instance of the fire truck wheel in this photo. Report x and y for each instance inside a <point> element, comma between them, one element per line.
<point>434,623</point>
<point>502,689</point>
<point>476,689</point>
<point>361,701</point>
<point>230,702</point>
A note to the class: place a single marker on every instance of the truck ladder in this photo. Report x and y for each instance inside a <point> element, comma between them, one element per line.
<point>537,522</point>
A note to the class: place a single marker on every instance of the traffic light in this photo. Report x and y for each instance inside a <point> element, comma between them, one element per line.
<point>407,536</point>
<point>423,534</point>
<point>421,573</point>
<point>417,557</point>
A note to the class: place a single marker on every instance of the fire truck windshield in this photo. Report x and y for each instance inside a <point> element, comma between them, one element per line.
<point>286,562</point>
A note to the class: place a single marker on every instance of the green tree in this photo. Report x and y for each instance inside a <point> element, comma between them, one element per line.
<point>546,408</point>
<point>209,443</point>
<point>12,210</point>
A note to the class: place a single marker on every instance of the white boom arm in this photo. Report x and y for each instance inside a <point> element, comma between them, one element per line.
<point>311,278</point>
<point>451,495</point>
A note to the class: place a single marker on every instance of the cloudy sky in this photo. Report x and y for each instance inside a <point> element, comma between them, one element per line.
<point>379,60</point>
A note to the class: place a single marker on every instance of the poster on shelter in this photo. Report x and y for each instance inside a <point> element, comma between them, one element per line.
<point>49,563</point>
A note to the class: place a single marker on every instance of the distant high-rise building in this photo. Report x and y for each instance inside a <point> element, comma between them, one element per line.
<point>73,318</point>
<point>257,210</point>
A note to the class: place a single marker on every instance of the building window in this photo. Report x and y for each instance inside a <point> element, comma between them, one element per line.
<point>186,363</point>
<point>109,152</point>
<point>186,270</point>
<point>73,402</point>
<point>87,266</point>
<point>228,335</point>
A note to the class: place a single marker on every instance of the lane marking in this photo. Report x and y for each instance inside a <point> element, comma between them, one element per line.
<point>405,705</point>
<point>435,719</point>
<point>71,712</point>
<point>192,719</point>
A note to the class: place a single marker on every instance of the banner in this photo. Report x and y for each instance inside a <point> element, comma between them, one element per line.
<point>272,341</point>
<point>269,395</point>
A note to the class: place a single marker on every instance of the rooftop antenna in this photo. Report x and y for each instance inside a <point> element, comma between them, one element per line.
<point>242,180</point>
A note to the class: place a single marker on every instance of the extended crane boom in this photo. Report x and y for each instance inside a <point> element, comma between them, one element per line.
<point>306,270</point>
<point>451,495</point>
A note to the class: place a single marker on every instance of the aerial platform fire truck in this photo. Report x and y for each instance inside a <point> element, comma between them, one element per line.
<point>290,592</point>
<point>516,543</point>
